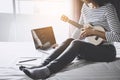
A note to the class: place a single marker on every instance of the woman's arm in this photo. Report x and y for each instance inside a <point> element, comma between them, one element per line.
<point>114,24</point>
<point>99,33</point>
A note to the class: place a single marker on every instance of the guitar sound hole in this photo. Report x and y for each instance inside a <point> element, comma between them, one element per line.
<point>96,38</point>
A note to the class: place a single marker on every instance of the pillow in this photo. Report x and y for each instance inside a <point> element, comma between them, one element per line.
<point>117,46</point>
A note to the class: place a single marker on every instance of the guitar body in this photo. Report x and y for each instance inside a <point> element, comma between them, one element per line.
<point>95,39</point>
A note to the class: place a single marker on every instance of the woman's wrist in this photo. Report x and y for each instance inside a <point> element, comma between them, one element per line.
<point>94,32</point>
<point>98,33</point>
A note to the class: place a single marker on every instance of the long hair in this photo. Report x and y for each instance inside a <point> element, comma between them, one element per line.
<point>101,2</point>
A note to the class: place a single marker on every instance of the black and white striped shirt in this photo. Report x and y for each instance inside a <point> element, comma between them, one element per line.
<point>104,16</point>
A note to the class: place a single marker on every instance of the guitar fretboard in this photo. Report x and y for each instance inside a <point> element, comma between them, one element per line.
<point>75,24</point>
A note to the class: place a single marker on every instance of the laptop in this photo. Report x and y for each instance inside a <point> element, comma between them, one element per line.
<point>43,37</point>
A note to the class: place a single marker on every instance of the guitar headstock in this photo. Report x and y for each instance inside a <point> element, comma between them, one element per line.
<point>64,18</point>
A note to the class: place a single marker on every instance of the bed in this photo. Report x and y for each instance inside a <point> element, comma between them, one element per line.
<point>91,71</point>
<point>77,70</point>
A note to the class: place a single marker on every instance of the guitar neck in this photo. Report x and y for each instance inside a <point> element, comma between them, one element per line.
<point>75,24</point>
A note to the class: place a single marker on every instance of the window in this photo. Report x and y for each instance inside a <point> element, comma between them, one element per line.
<point>6,6</point>
<point>47,13</point>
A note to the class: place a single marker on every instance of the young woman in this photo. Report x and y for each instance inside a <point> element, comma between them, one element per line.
<point>95,12</point>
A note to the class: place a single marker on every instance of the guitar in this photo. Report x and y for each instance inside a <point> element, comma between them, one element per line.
<point>91,39</point>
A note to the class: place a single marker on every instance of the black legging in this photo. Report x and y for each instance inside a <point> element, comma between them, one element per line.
<point>66,53</point>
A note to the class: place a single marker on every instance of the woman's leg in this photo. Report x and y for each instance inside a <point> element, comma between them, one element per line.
<point>102,53</point>
<point>90,52</point>
<point>59,63</point>
<point>53,55</point>
<point>76,48</point>
<point>58,51</point>
<point>86,50</point>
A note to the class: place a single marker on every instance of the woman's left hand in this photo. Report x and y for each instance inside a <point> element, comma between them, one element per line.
<point>86,31</point>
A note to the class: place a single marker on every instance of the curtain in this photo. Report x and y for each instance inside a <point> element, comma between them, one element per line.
<point>76,11</point>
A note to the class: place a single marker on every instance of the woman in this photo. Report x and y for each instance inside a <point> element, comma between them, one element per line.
<point>95,12</point>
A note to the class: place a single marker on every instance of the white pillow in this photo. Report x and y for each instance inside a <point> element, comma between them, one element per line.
<point>117,46</point>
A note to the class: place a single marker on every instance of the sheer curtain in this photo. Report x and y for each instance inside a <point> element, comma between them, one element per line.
<point>31,14</point>
<point>76,11</point>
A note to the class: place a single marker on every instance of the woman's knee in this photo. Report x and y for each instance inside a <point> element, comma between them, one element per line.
<point>77,42</point>
<point>69,40</point>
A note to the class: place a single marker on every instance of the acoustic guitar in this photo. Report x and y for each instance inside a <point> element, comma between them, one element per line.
<point>96,40</point>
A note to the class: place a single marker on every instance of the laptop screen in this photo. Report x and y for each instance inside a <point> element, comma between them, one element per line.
<point>43,37</point>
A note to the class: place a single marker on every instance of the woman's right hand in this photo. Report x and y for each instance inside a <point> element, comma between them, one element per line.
<point>86,31</point>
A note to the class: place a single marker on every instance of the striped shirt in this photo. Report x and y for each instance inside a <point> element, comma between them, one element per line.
<point>104,16</point>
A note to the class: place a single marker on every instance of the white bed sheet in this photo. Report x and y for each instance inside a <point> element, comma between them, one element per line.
<point>81,70</point>
<point>92,71</point>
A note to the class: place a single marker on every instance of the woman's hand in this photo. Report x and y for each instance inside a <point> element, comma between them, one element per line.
<point>86,31</point>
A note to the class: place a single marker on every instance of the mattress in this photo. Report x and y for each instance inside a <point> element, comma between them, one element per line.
<point>78,70</point>
<point>91,71</point>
